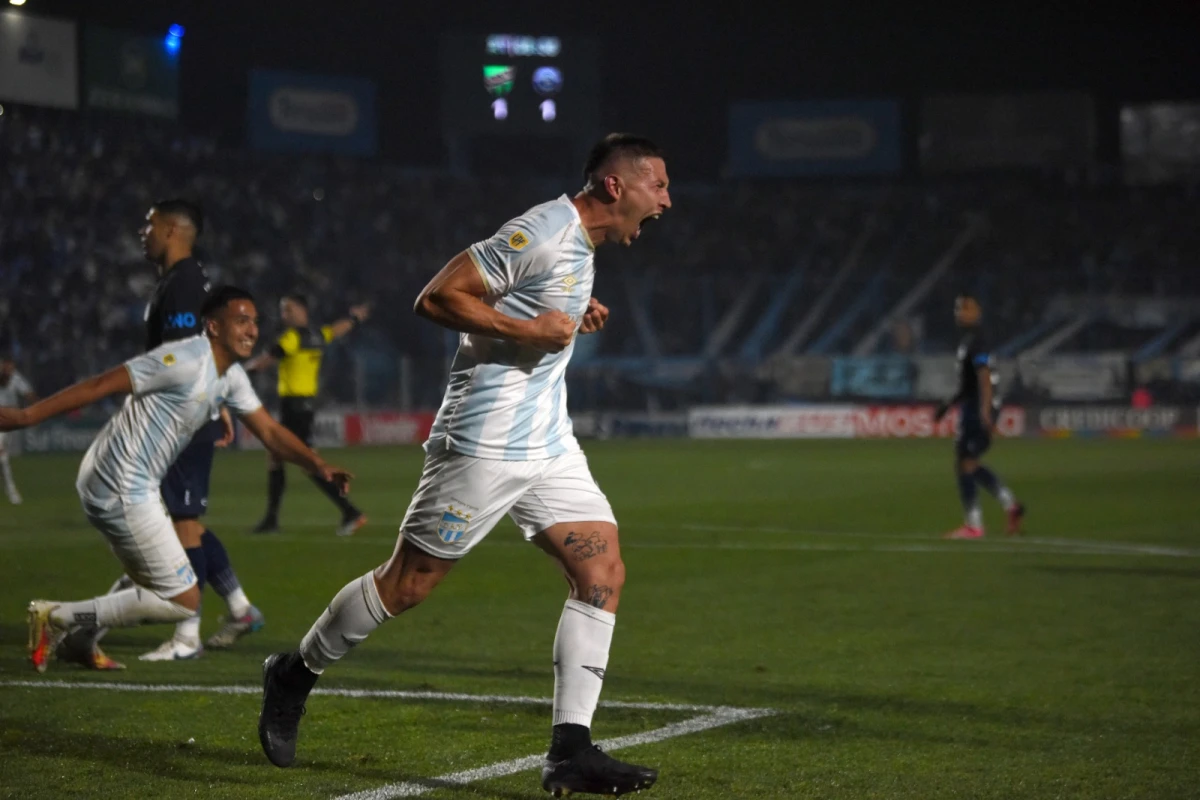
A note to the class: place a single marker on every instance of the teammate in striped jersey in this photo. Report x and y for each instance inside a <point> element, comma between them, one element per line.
<point>502,443</point>
<point>174,390</point>
<point>14,390</point>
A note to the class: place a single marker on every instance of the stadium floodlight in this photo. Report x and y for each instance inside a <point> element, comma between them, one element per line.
<point>174,38</point>
<point>16,2</point>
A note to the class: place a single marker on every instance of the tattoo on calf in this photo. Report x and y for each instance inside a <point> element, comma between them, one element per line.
<point>585,545</point>
<point>598,595</point>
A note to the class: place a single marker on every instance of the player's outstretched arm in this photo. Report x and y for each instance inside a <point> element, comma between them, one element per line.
<point>260,361</point>
<point>285,446</point>
<point>357,314</point>
<point>454,299</point>
<point>84,393</point>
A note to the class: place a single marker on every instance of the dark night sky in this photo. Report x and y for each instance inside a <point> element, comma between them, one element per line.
<point>668,71</point>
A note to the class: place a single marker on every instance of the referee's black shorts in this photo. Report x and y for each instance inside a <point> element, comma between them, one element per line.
<point>296,414</point>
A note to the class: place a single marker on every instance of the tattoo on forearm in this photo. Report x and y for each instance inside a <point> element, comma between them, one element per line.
<point>585,545</point>
<point>598,595</point>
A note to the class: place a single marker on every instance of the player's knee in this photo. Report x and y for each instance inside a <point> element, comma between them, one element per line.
<point>187,603</point>
<point>609,573</point>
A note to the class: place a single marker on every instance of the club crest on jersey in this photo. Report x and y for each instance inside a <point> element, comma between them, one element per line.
<point>454,524</point>
<point>518,240</point>
<point>169,359</point>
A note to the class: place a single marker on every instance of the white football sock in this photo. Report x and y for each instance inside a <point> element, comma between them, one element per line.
<point>189,629</point>
<point>7,470</point>
<point>1005,496</point>
<point>124,609</point>
<point>975,518</point>
<point>123,582</point>
<point>580,659</point>
<point>355,612</point>
<point>239,604</point>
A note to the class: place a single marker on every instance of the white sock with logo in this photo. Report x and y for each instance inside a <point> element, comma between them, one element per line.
<point>580,659</point>
<point>356,611</point>
<point>124,609</point>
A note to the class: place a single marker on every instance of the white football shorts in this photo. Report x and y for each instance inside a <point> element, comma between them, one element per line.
<point>144,541</point>
<point>461,498</point>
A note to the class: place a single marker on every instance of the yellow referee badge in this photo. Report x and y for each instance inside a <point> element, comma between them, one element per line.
<point>169,359</point>
<point>518,240</point>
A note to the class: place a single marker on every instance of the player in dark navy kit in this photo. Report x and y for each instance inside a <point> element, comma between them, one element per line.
<point>168,239</point>
<point>978,403</point>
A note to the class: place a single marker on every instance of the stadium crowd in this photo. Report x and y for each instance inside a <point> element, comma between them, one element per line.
<point>73,283</point>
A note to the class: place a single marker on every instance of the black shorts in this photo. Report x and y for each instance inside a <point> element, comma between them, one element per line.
<point>973,439</point>
<point>297,414</point>
<point>185,489</point>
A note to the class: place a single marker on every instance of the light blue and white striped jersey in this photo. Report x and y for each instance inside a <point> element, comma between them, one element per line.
<point>504,401</point>
<point>15,390</point>
<point>176,390</point>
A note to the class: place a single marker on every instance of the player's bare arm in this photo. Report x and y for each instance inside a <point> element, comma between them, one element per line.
<point>357,314</point>
<point>227,433</point>
<point>454,299</point>
<point>84,393</point>
<point>285,446</point>
<point>260,361</point>
<point>946,406</point>
<point>985,397</point>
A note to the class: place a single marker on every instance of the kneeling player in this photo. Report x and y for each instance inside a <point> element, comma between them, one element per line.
<point>175,389</point>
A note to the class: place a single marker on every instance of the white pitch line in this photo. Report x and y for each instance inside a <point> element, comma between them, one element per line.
<point>719,718</point>
<point>711,717</point>
<point>1085,546</point>
<point>390,694</point>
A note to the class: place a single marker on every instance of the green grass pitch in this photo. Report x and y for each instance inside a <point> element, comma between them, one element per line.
<point>804,577</point>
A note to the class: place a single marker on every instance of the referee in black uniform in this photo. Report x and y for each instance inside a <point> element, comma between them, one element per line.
<point>298,351</point>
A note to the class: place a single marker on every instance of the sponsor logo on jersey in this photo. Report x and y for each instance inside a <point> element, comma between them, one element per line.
<point>570,282</point>
<point>518,240</point>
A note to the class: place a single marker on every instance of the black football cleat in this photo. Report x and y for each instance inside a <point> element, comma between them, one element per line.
<point>282,708</point>
<point>268,525</point>
<point>592,771</point>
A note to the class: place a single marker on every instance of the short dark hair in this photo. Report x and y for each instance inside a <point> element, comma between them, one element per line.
<point>615,145</point>
<point>967,296</point>
<point>298,299</point>
<point>221,297</point>
<point>179,207</point>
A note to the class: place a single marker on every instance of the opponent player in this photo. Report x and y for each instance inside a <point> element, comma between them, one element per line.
<point>168,241</point>
<point>14,390</point>
<point>503,443</point>
<point>175,390</point>
<point>978,405</point>
<point>298,351</point>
